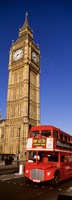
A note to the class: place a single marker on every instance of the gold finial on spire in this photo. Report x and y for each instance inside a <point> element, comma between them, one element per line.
<point>26,15</point>
<point>26,19</point>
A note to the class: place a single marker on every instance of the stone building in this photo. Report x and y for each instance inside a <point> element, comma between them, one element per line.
<point>2,135</point>
<point>23,98</point>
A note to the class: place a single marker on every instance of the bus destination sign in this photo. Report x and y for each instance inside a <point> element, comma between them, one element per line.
<point>39,142</point>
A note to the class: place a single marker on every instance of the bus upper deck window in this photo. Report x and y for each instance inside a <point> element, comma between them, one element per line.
<point>34,133</point>
<point>61,136</point>
<point>68,139</point>
<point>55,134</point>
<point>46,133</point>
<point>65,137</point>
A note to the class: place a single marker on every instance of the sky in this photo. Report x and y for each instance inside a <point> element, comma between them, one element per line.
<point>51,22</point>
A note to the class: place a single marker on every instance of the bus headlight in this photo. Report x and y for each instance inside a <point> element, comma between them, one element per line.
<point>48,173</point>
<point>27,171</point>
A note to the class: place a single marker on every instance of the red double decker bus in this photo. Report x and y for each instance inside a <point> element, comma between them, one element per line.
<point>49,155</point>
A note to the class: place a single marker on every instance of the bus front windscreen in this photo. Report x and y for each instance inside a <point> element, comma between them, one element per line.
<point>42,156</point>
<point>32,155</point>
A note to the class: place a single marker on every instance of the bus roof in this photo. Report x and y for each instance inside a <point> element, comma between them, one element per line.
<point>47,127</point>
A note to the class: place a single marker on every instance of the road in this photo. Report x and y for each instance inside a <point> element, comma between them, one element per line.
<point>14,187</point>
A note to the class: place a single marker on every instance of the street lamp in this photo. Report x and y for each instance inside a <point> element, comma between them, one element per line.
<point>18,143</point>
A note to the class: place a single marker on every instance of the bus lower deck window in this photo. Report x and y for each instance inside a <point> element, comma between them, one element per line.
<point>64,158</point>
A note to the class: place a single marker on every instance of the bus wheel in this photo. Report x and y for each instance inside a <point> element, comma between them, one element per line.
<point>56,179</point>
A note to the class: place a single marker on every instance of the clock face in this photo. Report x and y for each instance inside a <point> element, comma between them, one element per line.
<point>17,54</point>
<point>34,57</point>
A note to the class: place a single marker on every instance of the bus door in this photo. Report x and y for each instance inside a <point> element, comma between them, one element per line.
<point>65,167</point>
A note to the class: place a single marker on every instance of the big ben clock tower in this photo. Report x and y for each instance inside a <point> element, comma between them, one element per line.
<point>23,99</point>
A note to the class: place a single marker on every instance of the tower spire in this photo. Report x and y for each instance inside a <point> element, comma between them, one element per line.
<point>26,20</point>
<point>25,28</point>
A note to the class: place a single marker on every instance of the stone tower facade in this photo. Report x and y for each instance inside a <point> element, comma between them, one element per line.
<point>23,99</point>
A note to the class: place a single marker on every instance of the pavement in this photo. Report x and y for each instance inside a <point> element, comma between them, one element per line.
<point>6,169</point>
